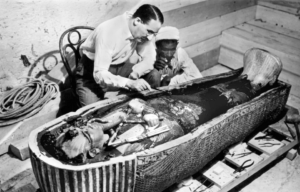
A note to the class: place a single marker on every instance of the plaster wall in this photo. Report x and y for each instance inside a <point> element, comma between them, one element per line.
<point>33,27</point>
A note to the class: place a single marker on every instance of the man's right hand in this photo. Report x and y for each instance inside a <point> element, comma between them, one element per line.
<point>138,85</point>
<point>160,64</point>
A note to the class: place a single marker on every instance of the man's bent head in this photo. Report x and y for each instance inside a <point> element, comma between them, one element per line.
<point>147,20</point>
<point>166,43</point>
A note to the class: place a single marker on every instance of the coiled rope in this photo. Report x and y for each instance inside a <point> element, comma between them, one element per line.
<point>26,100</point>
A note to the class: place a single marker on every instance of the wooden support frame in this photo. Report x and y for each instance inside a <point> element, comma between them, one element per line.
<point>259,166</point>
<point>267,159</point>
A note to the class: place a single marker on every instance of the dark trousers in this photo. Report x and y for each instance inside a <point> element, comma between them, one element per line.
<point>88,91</point>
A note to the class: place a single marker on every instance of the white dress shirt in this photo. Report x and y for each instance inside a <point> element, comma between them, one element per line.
<point>112,43</point>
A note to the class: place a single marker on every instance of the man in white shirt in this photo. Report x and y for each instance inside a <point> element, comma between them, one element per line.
<point>106,49</point>
<point>173,65</point>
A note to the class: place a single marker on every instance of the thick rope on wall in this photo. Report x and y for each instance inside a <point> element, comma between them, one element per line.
<point>26,100</point>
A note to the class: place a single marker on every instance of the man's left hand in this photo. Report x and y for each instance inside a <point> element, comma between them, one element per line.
<point>165,81</point>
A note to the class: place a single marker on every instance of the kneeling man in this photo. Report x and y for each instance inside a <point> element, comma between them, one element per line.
<point>173,65</point>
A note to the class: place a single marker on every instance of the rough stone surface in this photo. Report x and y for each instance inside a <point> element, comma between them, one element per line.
<point>33,27</point>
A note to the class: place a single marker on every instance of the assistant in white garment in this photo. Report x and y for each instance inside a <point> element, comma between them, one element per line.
<point>173,65</point>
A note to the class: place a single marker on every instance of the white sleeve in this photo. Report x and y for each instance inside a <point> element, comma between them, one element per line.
<point>190,70</point>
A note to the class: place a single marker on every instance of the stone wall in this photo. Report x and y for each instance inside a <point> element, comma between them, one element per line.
<point>32,28</point>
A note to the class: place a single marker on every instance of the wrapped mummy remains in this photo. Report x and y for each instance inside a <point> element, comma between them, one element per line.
<point>180,113</point>
<point>80,142</point>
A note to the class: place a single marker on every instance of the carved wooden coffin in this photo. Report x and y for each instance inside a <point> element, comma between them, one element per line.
<point>156,168</point>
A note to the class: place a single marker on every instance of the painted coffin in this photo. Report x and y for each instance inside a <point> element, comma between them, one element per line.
<point>156,168</point>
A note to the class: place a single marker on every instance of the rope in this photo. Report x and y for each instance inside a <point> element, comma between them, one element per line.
<point>26,100</point>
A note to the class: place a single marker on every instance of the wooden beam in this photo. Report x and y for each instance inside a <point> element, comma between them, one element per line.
<point>213,27</point>
<point>230,58</point>
<point>291,154</point>
<point>202,11</point>
<point>294,101</point>
<point>285,6</point>
<point>20,149</point>
<point>258,167</point>
<point>207,60</point>
<point>203,47</point>
<point>292,44</point>
<point>278,18</point>
<point>241,41</point>
<point>167,5</point>
<point>205,54</point>
<point>275,28</point>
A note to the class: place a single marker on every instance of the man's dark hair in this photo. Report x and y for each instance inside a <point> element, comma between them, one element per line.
<point>147,12</point>
<point>161,43</point>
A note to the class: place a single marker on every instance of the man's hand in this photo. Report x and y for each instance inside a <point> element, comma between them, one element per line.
<point>138,85</point>
<point>160,63</point>
<point>165,81</point>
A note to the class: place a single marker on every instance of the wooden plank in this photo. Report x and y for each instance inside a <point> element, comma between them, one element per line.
<point>279,18</point>
<point>291,79</point>
<point>259,166</point>
<point>217,69</point>
<point>195,13</point>
<point>286,2</point>
<point>275,28</point>
<point>167,5</point>
<point>205,54</point>
<point>294,101</point>
<point>213,27</point>
<point>230,58</point>
<point>259,144</point>
<point>292,44</point>
<point>23,178</point>
<point>220,174</point>
<point>285,6</point>
<point>207,59</point>
<point>203,47</point>
<point>20,149</point>
<point>291,154</point>
<point>237,160</point>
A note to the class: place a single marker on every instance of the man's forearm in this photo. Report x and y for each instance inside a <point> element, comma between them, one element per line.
<point>106,79</point>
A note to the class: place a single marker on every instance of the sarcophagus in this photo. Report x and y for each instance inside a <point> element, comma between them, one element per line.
<point>157,167</point>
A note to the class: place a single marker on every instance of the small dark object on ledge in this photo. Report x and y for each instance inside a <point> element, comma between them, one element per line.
<point>25,60</point>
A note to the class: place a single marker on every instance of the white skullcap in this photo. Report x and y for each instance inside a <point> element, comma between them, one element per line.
<point>167,32</point>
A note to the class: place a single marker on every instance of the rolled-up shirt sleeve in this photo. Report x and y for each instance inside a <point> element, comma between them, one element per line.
<point>102,62</point>
<point>190,70</point>
<point>147,54</point>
